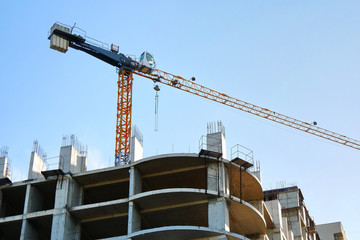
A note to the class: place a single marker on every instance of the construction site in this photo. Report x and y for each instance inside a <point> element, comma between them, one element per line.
<point>209,193</point>
<point>171,196</point>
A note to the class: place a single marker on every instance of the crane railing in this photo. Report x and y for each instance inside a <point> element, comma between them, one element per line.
<point>205,92</point>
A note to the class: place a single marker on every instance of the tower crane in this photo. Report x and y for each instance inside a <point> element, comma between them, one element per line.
<point>61,37</point>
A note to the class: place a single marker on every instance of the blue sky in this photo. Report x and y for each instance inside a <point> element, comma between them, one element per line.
<point>298,58</point>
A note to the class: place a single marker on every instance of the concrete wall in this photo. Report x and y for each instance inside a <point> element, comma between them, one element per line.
<point>331,231</point>
<point>289,199</point>
<point>274,208</point>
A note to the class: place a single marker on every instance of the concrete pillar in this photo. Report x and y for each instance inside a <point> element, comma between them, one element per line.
<point>2,204</point>
<point>33,199</point>
<point>135,182</point>
<point>226,180</point>
<point>36,166</point>
<point>76,195</point>
<point>134,218</point>
<point>4,167</point>
<point>28,231</point>
<point>218,217</point>
<point>135,187</point>
<point>32,203</point>
<point>257,174</point>
<point>216,142</point>
<point>63,225</point>
<point>212,176</point>
<point>136,145</point>
<point>216,175</point>
<point>71,160</point>
<point>274,208</point>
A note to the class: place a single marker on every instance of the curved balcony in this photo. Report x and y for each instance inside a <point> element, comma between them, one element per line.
<point>251,188</point>
<point>182,232</point>
<point>189,207</point>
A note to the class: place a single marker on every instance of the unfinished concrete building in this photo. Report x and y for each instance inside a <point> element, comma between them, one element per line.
<point>290,214</point>
<point>331,231</point>
<point>170,196</point>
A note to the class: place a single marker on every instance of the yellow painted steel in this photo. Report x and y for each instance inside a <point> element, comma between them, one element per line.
<point>205,92</point>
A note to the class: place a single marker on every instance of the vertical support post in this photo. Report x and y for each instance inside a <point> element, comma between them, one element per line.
<point>240,185</point>
<point>64,225</point>
<point>123,121</point>
<point>230,180</point>
<point>135,187</point>
<point>134,220</point>
<point>218,214</point>
<point>135,184</point>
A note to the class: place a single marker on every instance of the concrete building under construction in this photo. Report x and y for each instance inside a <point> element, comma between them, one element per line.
<point>172,196</point>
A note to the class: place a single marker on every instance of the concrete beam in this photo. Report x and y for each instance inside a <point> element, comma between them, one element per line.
<point>173,171</point>
<point>165,207</point>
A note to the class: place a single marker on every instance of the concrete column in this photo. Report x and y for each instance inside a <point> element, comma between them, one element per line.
<point>216,177</point>
<point>2,204</point>
<point>71,160</point>
<point>135,187</point>
<point>218,217</point>
<point>134,219</point>
<point>257,174</point>
<point>216,142</point>
<point>28,231</point>
<point>136,146</point>
<point>63,225</point>
<point>76,195</point>
<point>31,204</point>
<point>33,200</point>
<point>4,168</point>
<point>135,182</point>
<point>212,176</point>
<point>36,166</point>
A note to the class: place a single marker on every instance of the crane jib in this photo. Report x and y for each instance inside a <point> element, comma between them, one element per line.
<point>61,38</point>
<point>197,89</point>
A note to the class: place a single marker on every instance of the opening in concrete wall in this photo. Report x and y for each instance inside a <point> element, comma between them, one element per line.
<point>41,228</point>
<point>12,202</point>
<point>184,215</point>
<point>105,227</point>
<point>173,172</point>
<point>106,192</point>
<point>10,230</point>
<point>186,179</point>
<point>42,196</point>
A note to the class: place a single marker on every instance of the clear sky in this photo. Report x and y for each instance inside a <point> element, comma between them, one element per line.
<point>298,58</point>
